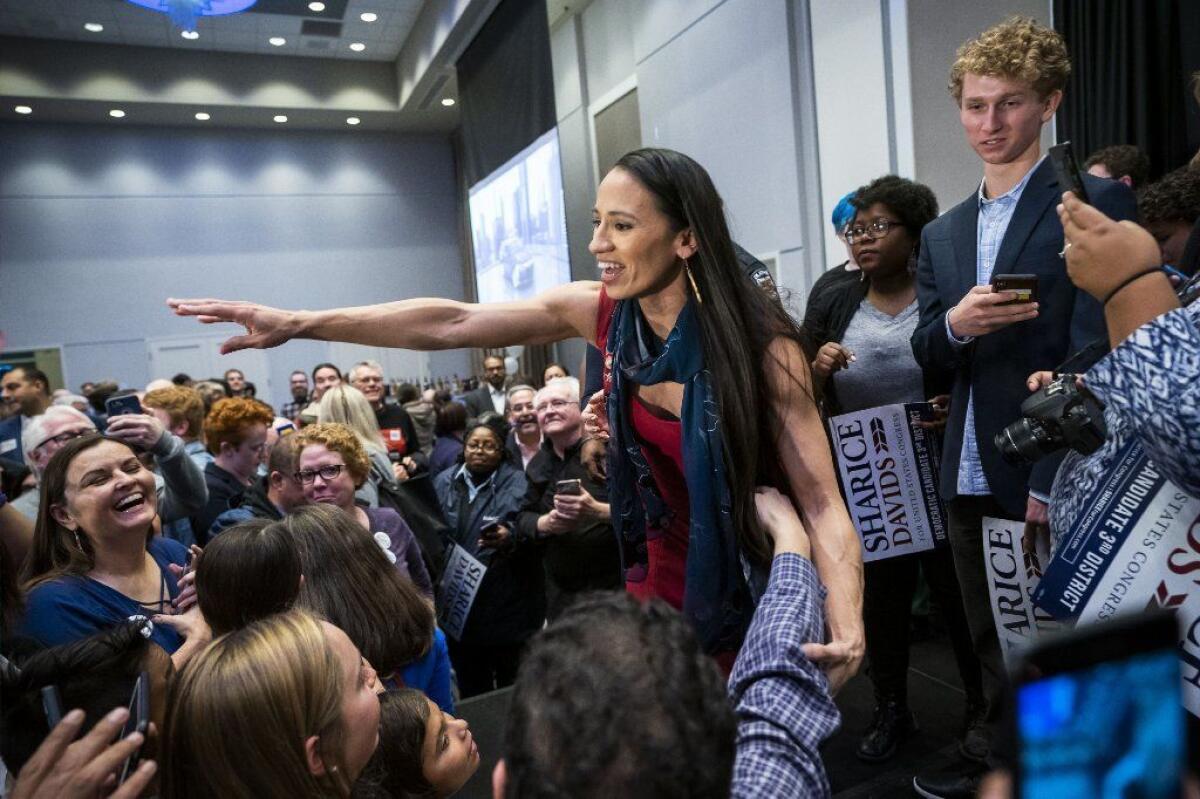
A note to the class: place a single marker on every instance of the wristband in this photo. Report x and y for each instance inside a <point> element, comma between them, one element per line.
<point>1127,281</point>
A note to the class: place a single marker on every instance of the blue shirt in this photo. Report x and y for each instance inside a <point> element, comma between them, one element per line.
<point>431,674</point>
<point>781,698</point>
<point>73,607</point>
<point>994,216</point>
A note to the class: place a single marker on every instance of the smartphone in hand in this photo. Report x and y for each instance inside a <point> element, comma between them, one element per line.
<point>1066,169</point>
<point>1024,286</point>
<point>119,406</point>
<point>569,487</point>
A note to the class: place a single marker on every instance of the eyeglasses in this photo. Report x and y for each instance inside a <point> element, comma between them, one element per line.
<point>554,404</point>
<point>327,473</point>
<point>486,446</point>
<point>877,230</point>
<point>63,438</point>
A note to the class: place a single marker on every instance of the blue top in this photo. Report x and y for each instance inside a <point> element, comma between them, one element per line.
<point>70,608</point>
<point>431,674</point>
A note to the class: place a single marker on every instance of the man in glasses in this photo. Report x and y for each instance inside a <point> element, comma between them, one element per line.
<point>564,508</point>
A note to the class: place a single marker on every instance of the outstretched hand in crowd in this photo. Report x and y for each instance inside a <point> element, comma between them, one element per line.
<point>265,326</point>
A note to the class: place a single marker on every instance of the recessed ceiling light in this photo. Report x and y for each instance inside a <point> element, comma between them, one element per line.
<point>358,47</point>
<point>316,7</point>
<point>368,16</point>
<point>277,41</point>
<point>23,109</point>
<point>280,118</point>
<point>447,101</point>
<point>190,34</point>
<point>203,116</point>
<point>116,113</point>
<point>93,27</point>
<point>352,120</point>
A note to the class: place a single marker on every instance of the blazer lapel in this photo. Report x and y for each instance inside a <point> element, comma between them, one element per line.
<point>964,244</point>
<point>1040,191</point>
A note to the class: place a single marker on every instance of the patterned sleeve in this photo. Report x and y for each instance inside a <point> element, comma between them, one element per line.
<point>782,700</point>
<point>1152,379</point>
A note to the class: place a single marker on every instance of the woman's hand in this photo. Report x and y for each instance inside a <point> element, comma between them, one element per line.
<point>830,358</point>
<point>190,624</point>
<point>265,327</point>
<point>60,769</point>
<point>136,429</point>
<point>1101,253</point>
<point>494,537</point>
<point>595,417</point>
<point>594,454</point>
<point>186,578</point>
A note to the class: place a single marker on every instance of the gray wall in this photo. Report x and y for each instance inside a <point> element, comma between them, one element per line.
<point>98,226</point>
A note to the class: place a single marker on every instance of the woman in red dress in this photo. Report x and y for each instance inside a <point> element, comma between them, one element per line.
<point>709,396</point>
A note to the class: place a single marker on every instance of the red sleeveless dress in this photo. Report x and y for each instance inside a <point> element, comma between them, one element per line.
<point>662,446</point>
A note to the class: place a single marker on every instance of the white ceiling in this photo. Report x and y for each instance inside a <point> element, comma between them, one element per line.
<point>127,24</point>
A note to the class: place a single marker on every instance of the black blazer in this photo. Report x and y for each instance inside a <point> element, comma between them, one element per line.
<point>995,366</point>
<point>479,402</point>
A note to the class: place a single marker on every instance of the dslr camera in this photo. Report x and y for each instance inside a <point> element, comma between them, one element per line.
<point>1060,415</point>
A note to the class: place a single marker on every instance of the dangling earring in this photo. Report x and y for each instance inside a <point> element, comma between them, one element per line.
<point>77,544</point>
<point>695,289</point>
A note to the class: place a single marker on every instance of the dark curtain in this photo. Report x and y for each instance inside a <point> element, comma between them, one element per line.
<point>1131,78</point>
<point>505,87</point>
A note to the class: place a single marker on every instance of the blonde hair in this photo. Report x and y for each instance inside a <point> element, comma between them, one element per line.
<point>1019,48</point>
<point>340,439</point>
<point>239,715</point>
<point>346,405</point>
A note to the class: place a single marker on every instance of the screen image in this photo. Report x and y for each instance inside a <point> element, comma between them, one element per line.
<point>518,226</point>
<point>1113,730</point>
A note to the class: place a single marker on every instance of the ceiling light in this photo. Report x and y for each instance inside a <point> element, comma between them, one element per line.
<point>203,116</point>
<point>447,101</point>
<point>193,35</point>
<point>23,109</point>
<point>93,27</point>
<point>116,113</point>
<point>277,41</point>
<point>280,118</point>
<point>316,7</point>
<point>352,120</point>
<point>358,47</point>
<point>368,16</point>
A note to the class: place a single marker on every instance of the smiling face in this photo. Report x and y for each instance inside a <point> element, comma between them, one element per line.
<point>23,394</point>
<point>449,756</point>
<point>557,414</point>
<point>360,702</point>
<point>881,255</point>
<point>482,450</point>
<point>1002,117</point>
<point>337,491</point>
<point>637,251</point>
<point>521,414</point>
<point>325,379</point>
<point>108,494</point>
<point>369,381</point>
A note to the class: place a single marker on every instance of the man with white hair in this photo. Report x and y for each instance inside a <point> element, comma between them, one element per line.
<point>180,483</point>
<point>564,508</point>
<point>399,432</point>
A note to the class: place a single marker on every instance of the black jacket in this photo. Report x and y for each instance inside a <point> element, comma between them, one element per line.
<point>224,492</point>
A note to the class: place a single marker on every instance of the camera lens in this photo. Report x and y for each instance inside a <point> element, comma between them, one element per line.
<point>1025,441</point>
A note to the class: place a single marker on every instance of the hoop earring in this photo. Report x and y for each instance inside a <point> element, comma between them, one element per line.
<point>695,289</point>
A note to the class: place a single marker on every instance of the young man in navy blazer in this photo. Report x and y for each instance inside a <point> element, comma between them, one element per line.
<point>1008,83</point>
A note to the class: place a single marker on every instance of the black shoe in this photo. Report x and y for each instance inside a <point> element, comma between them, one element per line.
<point>892,724</point>
<point>947,786</point>
<point>977,739</point>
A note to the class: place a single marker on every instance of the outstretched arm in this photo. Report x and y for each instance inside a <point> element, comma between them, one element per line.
<point>420,324</point>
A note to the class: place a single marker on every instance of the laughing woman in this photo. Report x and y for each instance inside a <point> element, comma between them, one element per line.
<point>710,395</point>
<point>95,559</point>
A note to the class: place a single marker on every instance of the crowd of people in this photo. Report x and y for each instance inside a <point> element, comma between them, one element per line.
<point>656,554</point>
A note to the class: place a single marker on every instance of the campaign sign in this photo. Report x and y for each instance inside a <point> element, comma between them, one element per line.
<point>888,465</point>
<point>1013,575</point>
<point>457,589</point>
<point>1135,546</point>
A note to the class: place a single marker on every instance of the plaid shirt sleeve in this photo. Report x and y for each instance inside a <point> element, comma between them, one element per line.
<point>782,699</point>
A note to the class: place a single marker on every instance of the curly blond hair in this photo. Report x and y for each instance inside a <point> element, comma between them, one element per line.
<point>340,439</point>
<point>229,419</point>
<point>1019,48</point>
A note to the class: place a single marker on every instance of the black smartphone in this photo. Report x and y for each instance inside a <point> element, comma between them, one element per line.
<point>52,705</point>
<point>119,406</point>
<point>568,487</point>
<point>1099,712</point>
<point>1024,286</point>
<point>1062,158</point>
<point>138,721</point>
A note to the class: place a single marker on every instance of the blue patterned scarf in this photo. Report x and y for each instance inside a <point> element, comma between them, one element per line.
<point>716,597</point>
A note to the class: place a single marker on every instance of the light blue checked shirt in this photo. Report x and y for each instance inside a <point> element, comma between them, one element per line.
<point>781,698</point>
<point>994,216</point>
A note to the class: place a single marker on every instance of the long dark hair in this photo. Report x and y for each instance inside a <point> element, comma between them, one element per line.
<point>738,323</point>
<point>57,551</point>
<point>396,770</point>
<point>248,572</point>
<point>349,582</point>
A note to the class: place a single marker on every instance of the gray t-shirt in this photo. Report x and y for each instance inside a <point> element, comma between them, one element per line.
<point>884,371</point>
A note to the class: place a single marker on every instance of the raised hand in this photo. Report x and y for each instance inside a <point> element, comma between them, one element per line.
<point>265,326</point>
